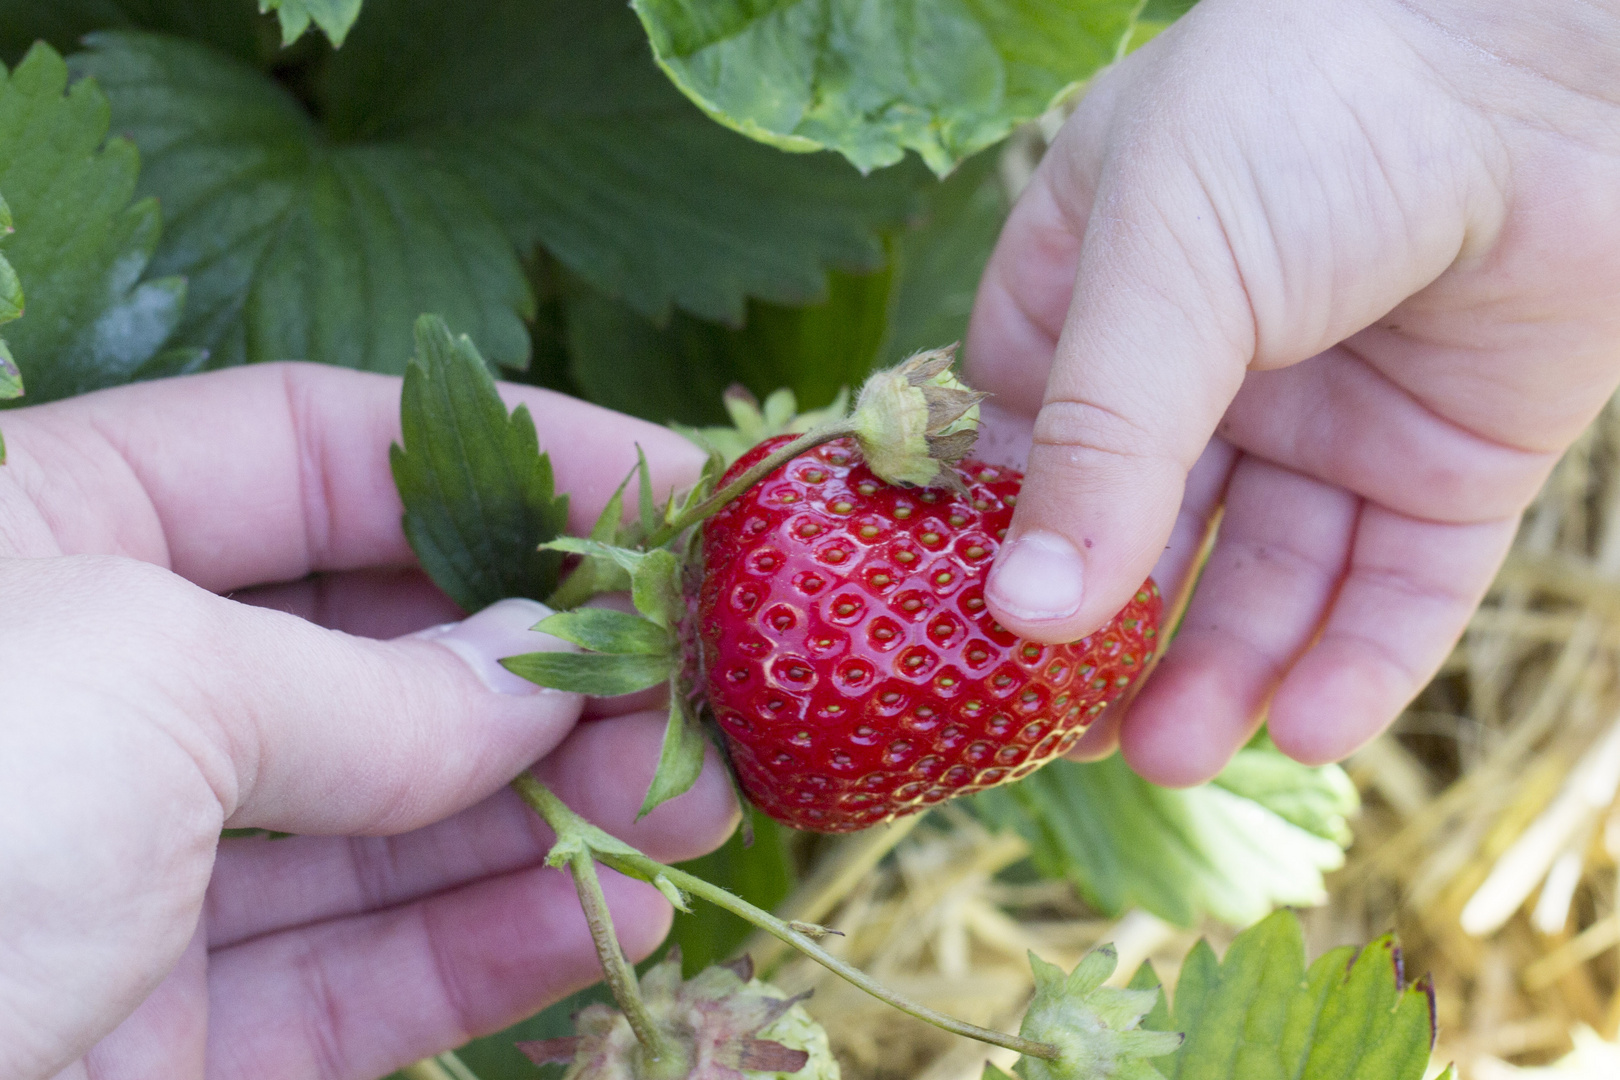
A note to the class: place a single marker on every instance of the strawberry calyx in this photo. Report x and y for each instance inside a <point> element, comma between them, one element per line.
<point>916,420</point>
<point>1096,1028</point>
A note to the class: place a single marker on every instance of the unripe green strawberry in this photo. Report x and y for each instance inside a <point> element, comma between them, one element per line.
<point>849,657</point>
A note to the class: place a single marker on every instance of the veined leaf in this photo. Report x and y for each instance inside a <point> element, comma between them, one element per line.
<point>1259,1014</point>
<point>943,77</point>
<point>1233,849</point>
<point>591,673</point>
<point>479,495</point>
<point>296,248</point>
<point>81,249</point>
<point>582,146</point>
<point>334,17</point>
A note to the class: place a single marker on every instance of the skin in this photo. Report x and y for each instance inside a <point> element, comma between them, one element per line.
<point>1349,270</point>
<point>157,689</point>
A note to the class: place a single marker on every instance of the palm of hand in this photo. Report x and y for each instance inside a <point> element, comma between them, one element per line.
<point>1366,312</point>
<point>143,712</point>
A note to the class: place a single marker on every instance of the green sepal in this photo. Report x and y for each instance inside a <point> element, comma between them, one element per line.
<point>598,674</point>
<point>603,630</point>
<point>993,1073</point>
<point>655,588</point>
<point>1097,1028</point>
<point>480,498</point>
<point>680,761</point>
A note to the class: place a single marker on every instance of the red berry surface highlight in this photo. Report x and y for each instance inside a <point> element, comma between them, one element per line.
<point>849,656</point>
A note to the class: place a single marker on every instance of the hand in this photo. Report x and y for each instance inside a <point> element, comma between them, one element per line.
<point>1348,270</point>
<point>142,712</point>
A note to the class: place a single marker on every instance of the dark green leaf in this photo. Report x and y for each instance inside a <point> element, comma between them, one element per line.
<point>943,77</point>
<point>81,249</point>
<point>591,673</point>
<point>607,631</point>
<point>479,495</point>
<point>1233,849</point>
<point>938,263</point>
<point>297,248</point>
<point>334,17</point>
<point>582,146</point>
<point>680,761</point>
<point>680,371</point>
<point>1259,1014</point>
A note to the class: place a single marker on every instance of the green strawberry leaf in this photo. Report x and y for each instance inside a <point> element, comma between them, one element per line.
<point>680,761</point>
<point>1260,836</point>
<point>1096,1028</point>
<point>1259,1013</point>
<point>296,248</point>
<point>873,80</point>
<point>605,631</point>
<point>334,17</point>
<point>598,674</point>
<point>581,146</point>
<point>81,249</point>
<point>479,495</point>
<point>993,1073</point>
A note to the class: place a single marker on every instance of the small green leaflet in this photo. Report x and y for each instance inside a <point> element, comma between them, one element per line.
<point>1260,836</point>
<point>479,495</point>
<point>1259,1014</point>
<point>81,249</point>
<point>332,16</point>
<point>943,77</point>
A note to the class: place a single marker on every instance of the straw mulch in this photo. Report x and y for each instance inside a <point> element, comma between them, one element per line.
<point>1489,839</point>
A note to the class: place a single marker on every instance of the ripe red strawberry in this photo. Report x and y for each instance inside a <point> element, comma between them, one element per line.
<point>849,656</point>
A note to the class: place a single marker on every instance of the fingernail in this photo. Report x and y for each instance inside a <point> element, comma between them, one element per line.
<point>503,629</point>
<point>1037,577</point>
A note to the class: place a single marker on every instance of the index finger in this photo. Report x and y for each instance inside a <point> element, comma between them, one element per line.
<point>274,471</point>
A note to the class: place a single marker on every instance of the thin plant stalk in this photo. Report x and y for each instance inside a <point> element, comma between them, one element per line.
<point>625,859</point>
<point>621,977</point>
<point>746,479</point>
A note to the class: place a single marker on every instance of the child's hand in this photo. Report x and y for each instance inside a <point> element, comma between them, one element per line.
<point>141,712</point>
<point>1360,262</point>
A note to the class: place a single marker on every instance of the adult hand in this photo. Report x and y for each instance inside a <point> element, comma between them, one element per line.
<point>143,712</point>
<point>1351,270</point>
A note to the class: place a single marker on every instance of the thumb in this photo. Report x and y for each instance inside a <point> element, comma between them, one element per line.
<point>1153,348</point>
<point>352,735</point>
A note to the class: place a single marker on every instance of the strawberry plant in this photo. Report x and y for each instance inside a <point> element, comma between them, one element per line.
<point>644,206</point>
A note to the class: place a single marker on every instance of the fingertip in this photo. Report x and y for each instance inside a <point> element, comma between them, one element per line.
<point>1036,586</point>
<point>1330,707</point>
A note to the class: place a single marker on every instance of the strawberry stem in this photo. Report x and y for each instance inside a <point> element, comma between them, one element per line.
<point>746,479</point>
<point>583,841</point>
<point>573,844</point>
